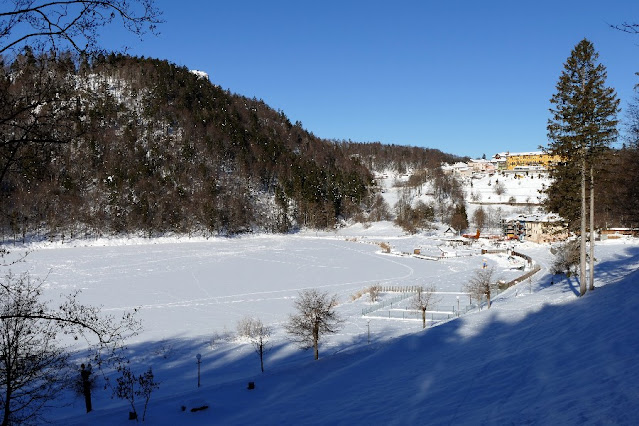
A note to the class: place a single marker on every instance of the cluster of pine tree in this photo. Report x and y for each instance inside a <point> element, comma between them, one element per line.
<point>595,180</point>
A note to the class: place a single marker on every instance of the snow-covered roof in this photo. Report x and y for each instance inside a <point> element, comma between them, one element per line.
<point>536,217</point>
<point>501,155</point>
<point>456,166</point>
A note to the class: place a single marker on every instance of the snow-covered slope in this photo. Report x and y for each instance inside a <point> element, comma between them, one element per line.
<point>500,194</point>
<point>540,355</point>
<point>519,187</point>
<point>532,361</point>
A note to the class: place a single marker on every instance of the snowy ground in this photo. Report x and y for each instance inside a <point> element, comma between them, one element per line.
<point>539,356</point>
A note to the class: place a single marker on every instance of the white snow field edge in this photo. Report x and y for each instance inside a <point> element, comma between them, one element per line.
<point>539,356</point>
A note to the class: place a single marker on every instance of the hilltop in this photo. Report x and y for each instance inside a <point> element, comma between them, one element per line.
<point>151,148</point>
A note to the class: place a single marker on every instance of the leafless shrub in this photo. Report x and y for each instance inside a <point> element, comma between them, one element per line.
<point>481,285</point>
<point>566,259</point>
<point>257,333</point>
<point>358,294</point>
<point>373,292</point>
<point>386,248</point>
<point>129,387</point>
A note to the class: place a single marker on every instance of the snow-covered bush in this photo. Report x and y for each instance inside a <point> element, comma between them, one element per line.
<point>566,259</point>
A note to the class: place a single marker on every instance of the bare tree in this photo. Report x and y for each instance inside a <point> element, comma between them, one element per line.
<point>424,299</point>
<point>315,317</point>
<point>32,360</point>
<point>481,284</point>
<point>260,338</point>
<point>257,333</point>
<point>480,217</point>
<point>129,387</point>
<point>70,24</point>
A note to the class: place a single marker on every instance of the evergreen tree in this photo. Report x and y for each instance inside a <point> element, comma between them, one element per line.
<point>582,125</point>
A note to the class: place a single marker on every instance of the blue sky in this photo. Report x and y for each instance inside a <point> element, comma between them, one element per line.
<point>466,77</point>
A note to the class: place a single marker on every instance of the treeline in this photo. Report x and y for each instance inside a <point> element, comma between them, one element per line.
<point>144,146</point>
<point>399,158</point>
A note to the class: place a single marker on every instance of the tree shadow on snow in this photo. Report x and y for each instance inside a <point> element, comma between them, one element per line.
<point>484,367</point>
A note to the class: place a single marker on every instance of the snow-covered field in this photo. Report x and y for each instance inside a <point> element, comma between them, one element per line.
<point>539,356</point>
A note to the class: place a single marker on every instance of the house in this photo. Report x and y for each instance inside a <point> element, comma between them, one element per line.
<point>537,160</point>
<point>481,165</point>
<point>613,233</point>
<point>450,232</point>
<point>460,168</point>
<point>537,228</point>
<point>499,161</point>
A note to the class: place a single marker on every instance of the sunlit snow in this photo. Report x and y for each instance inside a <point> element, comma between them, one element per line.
<point>540,355</point>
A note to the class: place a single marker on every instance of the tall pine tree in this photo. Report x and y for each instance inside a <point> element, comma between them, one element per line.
<point>583,123</point>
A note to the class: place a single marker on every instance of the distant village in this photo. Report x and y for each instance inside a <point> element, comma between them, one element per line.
<point>505,161</point>
<point>534,227</point>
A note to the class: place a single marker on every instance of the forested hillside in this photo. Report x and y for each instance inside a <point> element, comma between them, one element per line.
<point>381,157</point>
<point>149,147</point>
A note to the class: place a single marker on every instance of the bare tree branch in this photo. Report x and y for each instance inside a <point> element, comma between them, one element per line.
<point>627,28</point>
<point>33,361</point>
<point>72,24</point>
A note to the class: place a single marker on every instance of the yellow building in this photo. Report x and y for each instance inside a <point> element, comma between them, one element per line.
<point>530,160</point>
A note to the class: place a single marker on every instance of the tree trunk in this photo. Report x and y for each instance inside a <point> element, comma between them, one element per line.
<point>582,248</point>
<point>591,278</point>
<point>7,408</point>
<point>488,298</point>
<point>423,317</point>
<point>261,355</point>
<point>316,341</point>
<point>8,391</point>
